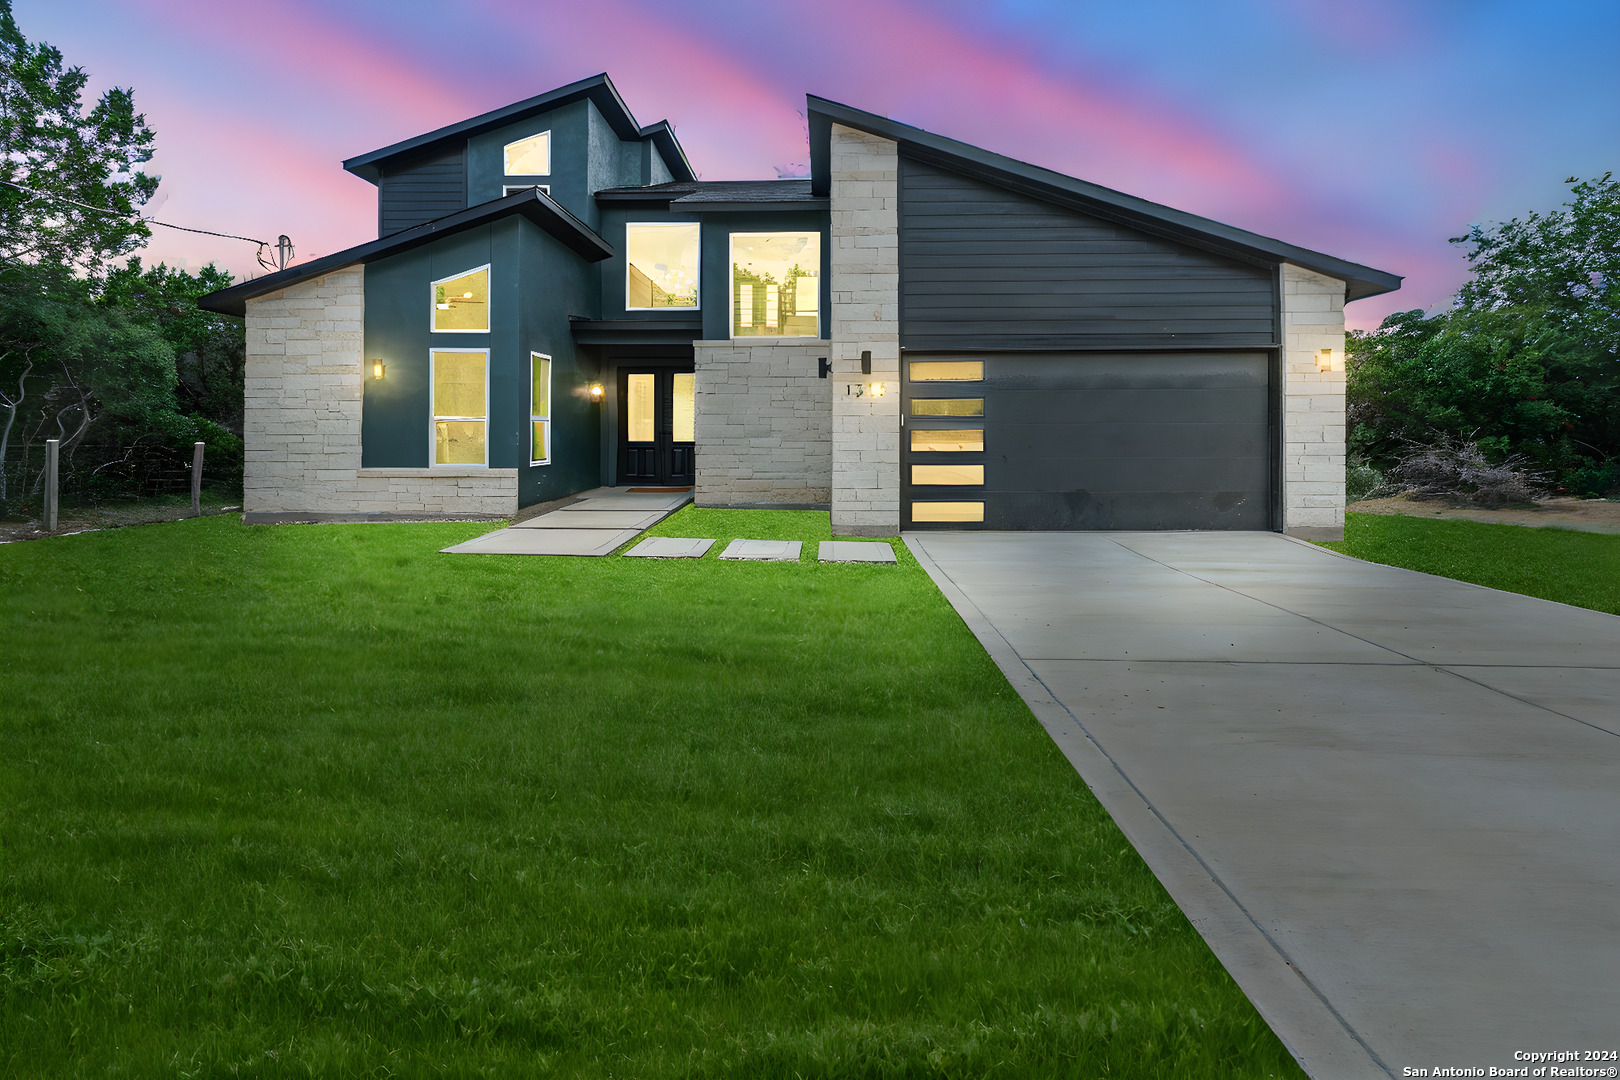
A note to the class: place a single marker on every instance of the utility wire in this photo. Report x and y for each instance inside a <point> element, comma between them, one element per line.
<point>118,213</point>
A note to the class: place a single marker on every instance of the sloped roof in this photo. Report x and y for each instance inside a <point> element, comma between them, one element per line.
<point>598,89</point>
<point>1094,199</point>
<point>532,203</point>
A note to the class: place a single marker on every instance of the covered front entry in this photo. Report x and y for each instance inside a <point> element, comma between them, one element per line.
<point>657,424</point>
<point>1119,440</point>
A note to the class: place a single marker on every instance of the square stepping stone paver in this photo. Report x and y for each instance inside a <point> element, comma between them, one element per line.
<point>763,550</point>
<point>546,542</point>
<point>854,551</point>
<point>599,519</point>
<point>670,547</point>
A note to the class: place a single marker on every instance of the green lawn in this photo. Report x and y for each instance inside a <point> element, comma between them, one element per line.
<point>318,800</point>
<point>1578,568</point>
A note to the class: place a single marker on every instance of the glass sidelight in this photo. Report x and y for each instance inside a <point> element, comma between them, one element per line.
<point>641,406</point>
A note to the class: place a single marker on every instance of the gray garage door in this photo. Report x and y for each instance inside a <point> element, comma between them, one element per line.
<point>1087,441</point>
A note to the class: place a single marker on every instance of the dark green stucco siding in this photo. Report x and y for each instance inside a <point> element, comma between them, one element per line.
<point>396,425</point>
<point>555,284</point>
<point>535,284</point>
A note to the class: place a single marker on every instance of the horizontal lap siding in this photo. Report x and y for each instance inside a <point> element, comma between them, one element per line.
<point>982,267</point>
<point>421,192</point>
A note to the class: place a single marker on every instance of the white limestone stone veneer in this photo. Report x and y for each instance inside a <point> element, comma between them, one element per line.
<point>305,371</point>
<point>764,423</point>
<point>1312,405</point>
<point>865,318</point>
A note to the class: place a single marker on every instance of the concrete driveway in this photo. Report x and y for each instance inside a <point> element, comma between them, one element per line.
<point>1390,802</point>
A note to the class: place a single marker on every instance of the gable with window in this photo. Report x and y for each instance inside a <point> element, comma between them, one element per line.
<point>530,156</point>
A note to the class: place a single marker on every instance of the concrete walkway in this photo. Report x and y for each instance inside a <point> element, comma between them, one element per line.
<point>597,522</point>
<point>1390,802</point>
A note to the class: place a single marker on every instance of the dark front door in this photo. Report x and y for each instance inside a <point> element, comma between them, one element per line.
<point>657,426</point>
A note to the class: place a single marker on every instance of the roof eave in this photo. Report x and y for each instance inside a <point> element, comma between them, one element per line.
<point>597,88</point>
<point>532,203</point>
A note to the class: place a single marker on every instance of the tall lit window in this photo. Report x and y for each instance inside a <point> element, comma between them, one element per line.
<point>461,303</point>
<point>775,284</point>
<point>460,382</point>
<point>539,409</point>
<point>661,265</point>
<point>529,157</point>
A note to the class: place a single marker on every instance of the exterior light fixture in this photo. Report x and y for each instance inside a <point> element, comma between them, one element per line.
<point>876,389</point>
<point>378,369</point>
<point>1324,360</point>
<point>596,392</point>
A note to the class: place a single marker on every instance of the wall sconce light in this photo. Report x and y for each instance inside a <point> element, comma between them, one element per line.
<point>378,369</point>
<point>866,361</point>
<point>876,389</point>
<point>596,393</point>
<point>1324,360</point>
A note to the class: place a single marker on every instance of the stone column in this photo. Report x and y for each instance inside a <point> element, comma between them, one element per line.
<point>1312,405</point>
<point>865,318</point>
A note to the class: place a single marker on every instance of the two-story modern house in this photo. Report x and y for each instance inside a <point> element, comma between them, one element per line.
<point>922,334</point>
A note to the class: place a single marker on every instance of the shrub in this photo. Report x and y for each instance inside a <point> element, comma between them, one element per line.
<point>1362,480</point>
<point>1595,480</point>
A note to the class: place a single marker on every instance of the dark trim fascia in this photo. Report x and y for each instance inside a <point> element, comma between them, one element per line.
<point>635,331</point>
<point>1360,281</point>
<point>532,203</point>
<point>598,88</point>
<point>772,207</point>
<point>1054,344</point>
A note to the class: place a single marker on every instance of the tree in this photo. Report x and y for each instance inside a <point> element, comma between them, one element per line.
<point>81,167</point>
<point>114,360</point>
<point>1527,361</point>
<point>208,347</point>
<point>1560,269</point>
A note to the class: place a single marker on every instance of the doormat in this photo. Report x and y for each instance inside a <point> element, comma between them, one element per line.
<point>655,491</point>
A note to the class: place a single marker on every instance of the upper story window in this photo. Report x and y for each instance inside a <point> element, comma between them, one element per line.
<point>661,268</point>
<point>775,284</point>
<point>529,157</point>
<point>461,303</point>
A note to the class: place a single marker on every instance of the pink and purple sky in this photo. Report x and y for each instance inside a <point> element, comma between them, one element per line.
<point>1368,129</point>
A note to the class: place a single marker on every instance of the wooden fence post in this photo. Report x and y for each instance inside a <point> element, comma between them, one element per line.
<point>52,448</point>
<point>196,479</point>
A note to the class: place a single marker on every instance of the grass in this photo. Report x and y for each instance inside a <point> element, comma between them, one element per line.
<point>318,800</point>
<point>1578,568</point>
